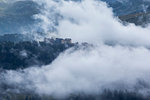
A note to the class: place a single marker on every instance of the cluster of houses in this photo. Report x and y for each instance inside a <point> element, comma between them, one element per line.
<point>58,40</point>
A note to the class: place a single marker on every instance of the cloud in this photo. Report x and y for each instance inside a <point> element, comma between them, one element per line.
<point>93,69</point>
<point>86,71</point>
<point>94,22</point>
<point>91,21</point>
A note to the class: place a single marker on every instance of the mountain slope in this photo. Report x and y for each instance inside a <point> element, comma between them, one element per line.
<point>17,15</point>
<point>124,7</point>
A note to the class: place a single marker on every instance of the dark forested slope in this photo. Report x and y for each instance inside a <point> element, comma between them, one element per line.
<point>22,54</point>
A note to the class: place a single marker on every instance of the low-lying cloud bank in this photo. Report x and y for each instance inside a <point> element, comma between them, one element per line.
<point>87,71</point>
<point>92,70</point>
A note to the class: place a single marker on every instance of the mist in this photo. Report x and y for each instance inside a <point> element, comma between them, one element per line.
<point>87,71</point>
<point>120,66</point>
<point>91,21</point>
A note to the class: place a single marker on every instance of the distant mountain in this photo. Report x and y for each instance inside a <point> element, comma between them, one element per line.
<point>133,11</point>
<point>15,16</point>
<point>19,15</point>
<point>14,38</point>
<point>125,7</point>
<point>142,18</point>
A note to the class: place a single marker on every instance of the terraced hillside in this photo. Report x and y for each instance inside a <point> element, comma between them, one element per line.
<point>142,18</point>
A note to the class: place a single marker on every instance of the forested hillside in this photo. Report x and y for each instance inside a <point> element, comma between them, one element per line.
<point>17,53</point>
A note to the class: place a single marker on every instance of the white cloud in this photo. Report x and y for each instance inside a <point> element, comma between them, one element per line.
<point>96,23</point>
<point>91,21</point>
<point>93,69</point>
<point>88,71</point>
